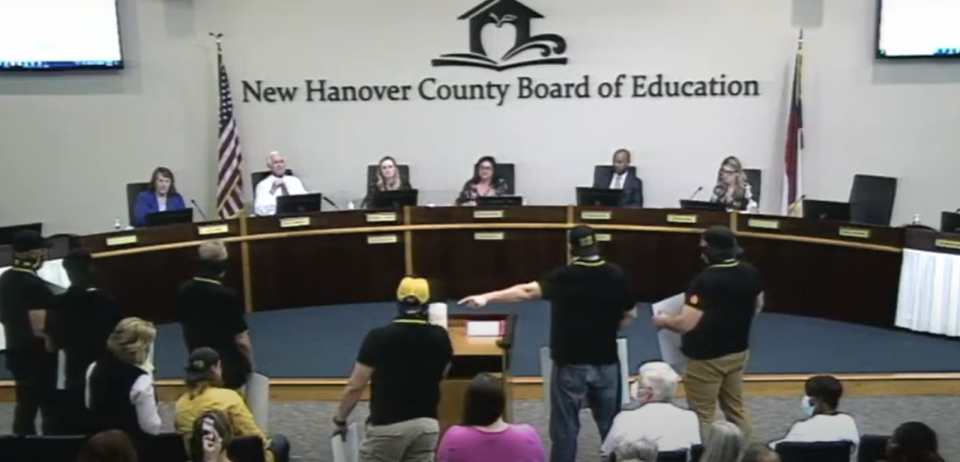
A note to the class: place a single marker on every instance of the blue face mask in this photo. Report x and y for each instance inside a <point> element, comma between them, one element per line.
<point>806,406</point>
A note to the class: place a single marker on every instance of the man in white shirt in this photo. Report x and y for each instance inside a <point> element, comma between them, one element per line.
<point>823,423</point>
<point>278,184</point>
<point>657,420</point>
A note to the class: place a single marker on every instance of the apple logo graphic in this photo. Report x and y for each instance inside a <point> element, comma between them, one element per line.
<point>499,37</point>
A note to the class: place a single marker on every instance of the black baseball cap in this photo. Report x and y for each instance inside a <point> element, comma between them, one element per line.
<point>201,361</point>
<point>583,239</point>
<point>722,239</point>
<point>27,240</point>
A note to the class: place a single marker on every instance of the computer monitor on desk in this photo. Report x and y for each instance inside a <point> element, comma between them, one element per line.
<point>950,222</point>
<point>301,203</point>
<point>703,206</point>
<point>599,197</point>
<point>826,210</point>
<point>169,217</point>
<point>394,199</point>
<point>7,232</point>
<point>497,201</point>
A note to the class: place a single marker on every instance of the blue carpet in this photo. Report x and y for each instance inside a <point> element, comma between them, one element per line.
<point>322,342</point>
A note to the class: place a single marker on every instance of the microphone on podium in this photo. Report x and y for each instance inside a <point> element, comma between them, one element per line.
<point>198,209</point>
<point>699,188</point>
<point>796,204</point>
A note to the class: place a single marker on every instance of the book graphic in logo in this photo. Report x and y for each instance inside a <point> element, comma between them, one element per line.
<point>526,50</point>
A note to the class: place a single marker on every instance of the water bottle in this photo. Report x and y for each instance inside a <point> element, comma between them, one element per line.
<point>350,206</point>
<point>916,219</point>
<point>117,225</point>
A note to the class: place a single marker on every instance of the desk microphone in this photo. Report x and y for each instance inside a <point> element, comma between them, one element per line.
<point>327,200</point>
<point>699,188</point>
<point>198,209</point>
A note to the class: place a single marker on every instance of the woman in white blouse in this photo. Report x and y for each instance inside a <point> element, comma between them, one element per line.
<point>120,392</point>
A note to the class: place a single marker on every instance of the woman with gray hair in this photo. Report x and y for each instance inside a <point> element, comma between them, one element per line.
<point>637,451</point>
<point>120,393</point>
<point>724,443</point>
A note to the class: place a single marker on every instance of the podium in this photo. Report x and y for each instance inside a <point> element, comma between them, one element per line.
<point>471,356</point>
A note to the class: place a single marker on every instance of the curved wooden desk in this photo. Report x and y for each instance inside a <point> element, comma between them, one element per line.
<point>831,270</point>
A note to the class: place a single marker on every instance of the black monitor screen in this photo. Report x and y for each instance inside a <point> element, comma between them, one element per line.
<point>170,217</point>
<point>600,197</point>
<point>394,199</point>
<point>500,200</point>
<point>301,203</point>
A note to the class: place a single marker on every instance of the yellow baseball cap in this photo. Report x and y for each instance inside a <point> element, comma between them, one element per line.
<point>416,288</point>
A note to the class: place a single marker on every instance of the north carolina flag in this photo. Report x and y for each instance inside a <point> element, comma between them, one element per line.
<point>793,154</point>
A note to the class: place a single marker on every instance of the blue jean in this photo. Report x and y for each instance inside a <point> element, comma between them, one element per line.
<point>570,385</point>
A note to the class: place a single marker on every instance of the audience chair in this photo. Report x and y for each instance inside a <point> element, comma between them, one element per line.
<point>672,456</point>
<point>134,190</point>
<point>164,447</point>
<point>871,199</point>
<point>873,448</point>
<point>11,447</point>
<point>833,451</point>
<point>505,171</point>
<point>696,451</point>
<point>53,448</point>
<point>257,177</point>
<point>246,449</point>
<point>755,180</point>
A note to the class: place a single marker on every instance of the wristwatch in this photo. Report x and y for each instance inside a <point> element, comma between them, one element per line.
<point>338,422</point>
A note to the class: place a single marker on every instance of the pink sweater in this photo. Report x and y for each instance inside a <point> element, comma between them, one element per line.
<point>518,443</point>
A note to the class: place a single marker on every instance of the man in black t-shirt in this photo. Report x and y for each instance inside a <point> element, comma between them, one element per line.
<point>24,300</point>
<point>715,327</point>
<point>590,302</point>
<point>212,315</point>
<point>404,362</point>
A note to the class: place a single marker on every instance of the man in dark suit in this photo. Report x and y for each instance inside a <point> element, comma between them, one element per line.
<point>621,177</point>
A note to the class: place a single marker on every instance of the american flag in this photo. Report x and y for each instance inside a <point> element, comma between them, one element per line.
<point>793,153</point>
<point>230,175</point>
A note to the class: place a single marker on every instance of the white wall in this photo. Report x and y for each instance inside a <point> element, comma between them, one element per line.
<point>71,142</point>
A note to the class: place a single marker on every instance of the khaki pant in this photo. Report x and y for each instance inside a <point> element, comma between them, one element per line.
<point>412,440</point>
<point>707,382</point>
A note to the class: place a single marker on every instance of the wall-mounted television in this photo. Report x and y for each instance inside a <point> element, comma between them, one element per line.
<point>37,35</point>
<point>918,29</point>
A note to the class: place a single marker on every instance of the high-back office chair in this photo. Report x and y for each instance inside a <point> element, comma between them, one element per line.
<point>832,451</point>
<point>134,190</point>
<point>871,199</point>
<point>603,173</point>
<point>754,179</point>
<point>505,171</point>
<point>257,177</point>
<point>403,169</point>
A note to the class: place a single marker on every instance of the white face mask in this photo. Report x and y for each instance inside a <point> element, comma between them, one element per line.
<point>806,406</point>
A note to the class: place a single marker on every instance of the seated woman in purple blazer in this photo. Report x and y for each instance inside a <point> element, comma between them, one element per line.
<point>160,196</point>
<point>484,436</point>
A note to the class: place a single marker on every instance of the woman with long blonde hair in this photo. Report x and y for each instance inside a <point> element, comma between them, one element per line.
<point>388,178</point>
<point>732,188</point>
<point>120,390</point>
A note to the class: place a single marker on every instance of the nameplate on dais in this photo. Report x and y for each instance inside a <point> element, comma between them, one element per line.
<point>856,233</point>
<point>603,237</point>
<point>209,230</point>
<point>947,244</point>
<point>121,240</point>
<point>488,236</point>
<point>295,222</point>
<point>763,224</point>
<point>382,217</point>
<point>596,215</point>
<point>383,239</point>
<point>685,219</point>
<point>488,214</point>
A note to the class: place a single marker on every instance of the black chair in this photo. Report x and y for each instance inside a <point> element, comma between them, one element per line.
<point>246,449</point>
<point>754,179</point>
<point>164,447</point>
<point>403,169</point>
<point>505,171</point>
<point>696,451</point>
<point>873,448</point>
<point>11,447</point>
<point>831,451</point>
<point>257,177</point>
<point>134,190</point>
<point>672,456</point>
<point>53,448</point>
<point>871,199</point>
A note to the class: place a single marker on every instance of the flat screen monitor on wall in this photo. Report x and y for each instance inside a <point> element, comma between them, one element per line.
<point>918,29</point>
<point>59,35</point>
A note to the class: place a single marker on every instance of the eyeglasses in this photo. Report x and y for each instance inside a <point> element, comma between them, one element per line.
<point>728,172</point>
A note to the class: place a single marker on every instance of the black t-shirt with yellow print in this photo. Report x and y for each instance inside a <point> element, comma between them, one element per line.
<point>727,294</point>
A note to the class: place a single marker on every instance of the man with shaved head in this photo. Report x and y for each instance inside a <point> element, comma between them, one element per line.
<point>279,183</point>
<point>212,315</point>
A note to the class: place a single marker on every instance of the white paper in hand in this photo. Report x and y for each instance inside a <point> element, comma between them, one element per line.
<point>346,449</point>
<point>257,395</point>
<point>669,340</point>
<point>437,314</point>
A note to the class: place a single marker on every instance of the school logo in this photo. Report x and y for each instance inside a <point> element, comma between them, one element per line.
<point>491,24</point>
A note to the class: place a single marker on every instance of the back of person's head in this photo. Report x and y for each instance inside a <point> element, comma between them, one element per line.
<point>913,442</point>
<point>79,267</point>
<point>823,393</point>
<point>484,401</point>
<point>657,382</point>
<point>131,340</point>
<point>724,443</point>
<point>636,451</point>
<point>759,452</point>
<point>212,433</point>
<point>213,256</point>
<point>413,295</point>
<point>108,446</point>
<point>203,370</point>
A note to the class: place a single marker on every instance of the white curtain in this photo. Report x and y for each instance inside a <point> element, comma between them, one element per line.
<point>52,272</point>
<point>929,299</point>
